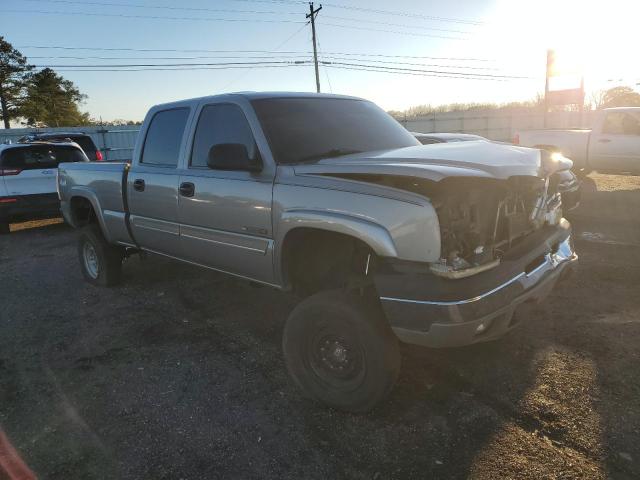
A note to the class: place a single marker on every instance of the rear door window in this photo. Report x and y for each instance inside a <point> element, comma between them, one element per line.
<point>164,137</point>
<point>37,157</point>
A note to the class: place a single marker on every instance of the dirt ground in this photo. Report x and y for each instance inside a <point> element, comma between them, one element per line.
<point>178,374</point>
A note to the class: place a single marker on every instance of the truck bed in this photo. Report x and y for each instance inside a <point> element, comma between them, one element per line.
<point>103,183</point>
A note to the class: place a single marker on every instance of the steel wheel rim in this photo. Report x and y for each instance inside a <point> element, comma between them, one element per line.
<point>91,263</point>
<point>335,358</point>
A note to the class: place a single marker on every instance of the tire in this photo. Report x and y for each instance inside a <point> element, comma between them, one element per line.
<point>340,350</point>
<point>4,227</point>
<point>101,263</point>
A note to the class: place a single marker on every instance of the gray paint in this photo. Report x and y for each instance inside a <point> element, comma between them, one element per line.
<point>237,222</point>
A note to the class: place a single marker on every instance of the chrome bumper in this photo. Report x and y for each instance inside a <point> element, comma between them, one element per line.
<point>487,315</point>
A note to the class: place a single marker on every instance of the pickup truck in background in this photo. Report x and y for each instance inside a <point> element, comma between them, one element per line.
<point>612,145</point>
<point>327,196</point>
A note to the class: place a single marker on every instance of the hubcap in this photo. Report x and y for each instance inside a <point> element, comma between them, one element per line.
<point>335,359</point>
<point>91,262</point>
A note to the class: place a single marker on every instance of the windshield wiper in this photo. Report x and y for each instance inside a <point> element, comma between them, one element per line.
<point>333,153</point>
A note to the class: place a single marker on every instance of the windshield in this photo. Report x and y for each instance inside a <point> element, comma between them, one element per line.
<point>307,129</point>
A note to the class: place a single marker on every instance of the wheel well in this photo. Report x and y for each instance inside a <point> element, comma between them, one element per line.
<point>82,211</point>
<point>314,260</point>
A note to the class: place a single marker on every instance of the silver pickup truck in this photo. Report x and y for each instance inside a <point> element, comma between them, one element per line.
<point>329,197</point>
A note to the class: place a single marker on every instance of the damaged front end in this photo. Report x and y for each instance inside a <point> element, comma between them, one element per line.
<point>481,219</point>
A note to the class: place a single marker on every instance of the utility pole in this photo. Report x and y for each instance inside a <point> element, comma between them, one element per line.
<point>312,16</point>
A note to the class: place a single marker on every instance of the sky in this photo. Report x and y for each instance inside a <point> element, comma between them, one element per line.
<point>495,49</point>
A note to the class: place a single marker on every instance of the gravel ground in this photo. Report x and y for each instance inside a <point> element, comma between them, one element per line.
<point>178,374</point>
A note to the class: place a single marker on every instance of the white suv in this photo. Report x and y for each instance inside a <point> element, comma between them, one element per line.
<point>28,179</point>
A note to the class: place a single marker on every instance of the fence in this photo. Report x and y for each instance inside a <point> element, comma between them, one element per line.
<point>495,124</point>
<point>115,143</point>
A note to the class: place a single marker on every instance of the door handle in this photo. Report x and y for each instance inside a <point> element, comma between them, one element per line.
<point>604,140</point>
<point>138,185</point>
<point>187,189</point>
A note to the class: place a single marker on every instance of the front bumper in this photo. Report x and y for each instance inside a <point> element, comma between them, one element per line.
<point>438,312</point>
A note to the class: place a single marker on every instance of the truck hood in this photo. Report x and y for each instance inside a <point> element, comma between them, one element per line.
<point>438,161</point>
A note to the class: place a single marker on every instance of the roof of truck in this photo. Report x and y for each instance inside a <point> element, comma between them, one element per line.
<point>254,96</point>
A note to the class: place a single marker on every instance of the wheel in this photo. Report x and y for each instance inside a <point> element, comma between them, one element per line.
<point>4,227</point>
<point>340,350</point>
<point>101,263</point>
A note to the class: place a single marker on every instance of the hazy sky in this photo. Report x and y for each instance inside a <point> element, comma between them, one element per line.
<point>504,38</point>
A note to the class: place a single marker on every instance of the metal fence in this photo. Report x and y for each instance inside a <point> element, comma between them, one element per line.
<point>115,143</point>
<point>495,124</point>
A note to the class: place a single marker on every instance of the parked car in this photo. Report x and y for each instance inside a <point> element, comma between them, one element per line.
<point>331,198</point>
<point>83,139</point>
<point>612,145</point>
<point>429,138</point>
<point>28,179</point>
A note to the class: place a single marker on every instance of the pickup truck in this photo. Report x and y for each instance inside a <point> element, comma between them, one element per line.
<point>613,145</point>
<point>327,196</point>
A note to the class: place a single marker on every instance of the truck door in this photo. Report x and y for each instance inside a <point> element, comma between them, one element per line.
<point>152,183</point>
<point>225,215</point>
<point>617,146</point>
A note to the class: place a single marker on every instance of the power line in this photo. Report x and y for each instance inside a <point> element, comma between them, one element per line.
<point>404,25</point>
<point>445,72</point>
<point>414,34</point>
<point>273,57</point>
<point>374,69</point>
<point>406,14</point>
<point>124,65</point>
<point>153,17</point>
<point>362,54</point>
<point>161,7</point>
<point>180,69</point>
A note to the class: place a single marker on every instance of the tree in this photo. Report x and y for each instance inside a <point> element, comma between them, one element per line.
<point>617,97</point>
<point>14,71</point>
<point>53,101</point>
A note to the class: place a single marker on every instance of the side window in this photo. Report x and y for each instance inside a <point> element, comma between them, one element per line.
<point>218,124</point>
<point>621,123</point>
<point>613,123</point>
<point>164,136</point>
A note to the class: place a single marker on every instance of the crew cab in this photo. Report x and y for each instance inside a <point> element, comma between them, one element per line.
<point>28,180</point>
<point>612,145</point>
<point>327,196</point>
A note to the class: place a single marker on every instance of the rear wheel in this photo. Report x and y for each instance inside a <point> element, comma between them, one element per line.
<point>101,262</point>
<point>340,351</point>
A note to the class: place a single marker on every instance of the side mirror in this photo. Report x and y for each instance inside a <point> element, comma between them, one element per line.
<point>232,156</point>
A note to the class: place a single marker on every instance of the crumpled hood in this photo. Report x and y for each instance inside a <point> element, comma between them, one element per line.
<point>438,161</point>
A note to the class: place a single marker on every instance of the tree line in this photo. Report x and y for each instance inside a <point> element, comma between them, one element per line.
<point>36,98</point>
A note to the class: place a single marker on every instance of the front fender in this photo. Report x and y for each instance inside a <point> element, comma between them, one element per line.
<point>374,235</point>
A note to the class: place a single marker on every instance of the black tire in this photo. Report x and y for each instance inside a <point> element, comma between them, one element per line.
<point>340,350</point>
<point>4,227</point>
<point>100,262</point>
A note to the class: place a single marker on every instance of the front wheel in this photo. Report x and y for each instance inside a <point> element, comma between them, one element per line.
<point>101,262</point>
<point>340,351</point>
